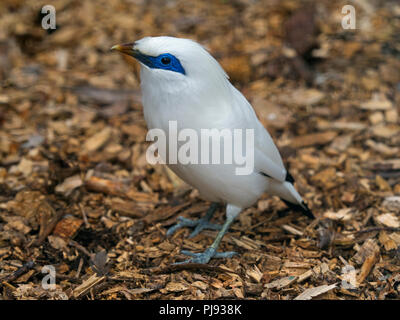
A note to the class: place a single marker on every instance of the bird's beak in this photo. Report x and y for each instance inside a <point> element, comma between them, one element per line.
<point>126,48</point>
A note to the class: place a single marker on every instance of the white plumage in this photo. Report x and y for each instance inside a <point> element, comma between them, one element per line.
<point>203,98</point>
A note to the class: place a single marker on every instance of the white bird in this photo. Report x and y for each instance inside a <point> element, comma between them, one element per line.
<point>181,81</point>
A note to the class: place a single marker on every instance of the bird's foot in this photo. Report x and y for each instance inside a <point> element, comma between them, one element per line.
<point>199,225</point>
<point>205,256</point>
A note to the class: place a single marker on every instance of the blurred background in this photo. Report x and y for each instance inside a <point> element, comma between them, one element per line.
<point>72,149</point>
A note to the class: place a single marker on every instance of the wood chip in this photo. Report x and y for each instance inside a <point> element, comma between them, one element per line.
<point>388,220</point>
<point>369,248</point>
<point>84,288</point>
<point>281,283</point>
<point>342,215</point>
<point>310,293</point>
<point>313,139</point>
<point>98,140</point>
<point>67,227</point>
<point>292,230</point>
<point>255,274</point>
<point>367,266</point>
<point>176,286</point>
<point>69,185</point>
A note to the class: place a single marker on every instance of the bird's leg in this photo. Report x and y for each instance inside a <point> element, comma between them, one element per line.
<point>211,252</point>
<point>200,224</point>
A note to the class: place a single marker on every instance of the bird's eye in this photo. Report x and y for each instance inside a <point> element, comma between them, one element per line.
<point>165,60</point>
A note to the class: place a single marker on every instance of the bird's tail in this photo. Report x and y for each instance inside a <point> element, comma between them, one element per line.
<point>289,195</point>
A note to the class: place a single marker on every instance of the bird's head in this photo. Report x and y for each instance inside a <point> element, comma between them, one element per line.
<point>169,59</point>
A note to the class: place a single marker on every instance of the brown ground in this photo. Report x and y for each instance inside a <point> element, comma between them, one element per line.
<point>76,191</point>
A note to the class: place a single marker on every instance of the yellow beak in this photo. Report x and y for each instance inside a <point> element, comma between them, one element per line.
<point>126,48</point>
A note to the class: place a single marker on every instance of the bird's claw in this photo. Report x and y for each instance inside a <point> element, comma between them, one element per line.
<point>199,225</point>
<point>204,257</point>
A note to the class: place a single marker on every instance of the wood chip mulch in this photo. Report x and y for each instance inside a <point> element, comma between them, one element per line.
<point>77,195</point>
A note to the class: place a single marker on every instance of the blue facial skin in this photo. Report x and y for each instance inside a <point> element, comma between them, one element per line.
<point>164,61</point>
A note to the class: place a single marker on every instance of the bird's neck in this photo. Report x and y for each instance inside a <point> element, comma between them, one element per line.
<point>183,101</point>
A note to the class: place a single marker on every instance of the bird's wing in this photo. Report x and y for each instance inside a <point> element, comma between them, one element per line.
<point>267,159</point>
